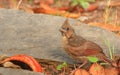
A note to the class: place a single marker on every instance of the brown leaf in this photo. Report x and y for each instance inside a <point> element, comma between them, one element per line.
<point>10,65</point>
<point>111,71</point>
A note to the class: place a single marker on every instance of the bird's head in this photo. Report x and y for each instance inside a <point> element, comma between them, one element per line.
<point>67,30</point>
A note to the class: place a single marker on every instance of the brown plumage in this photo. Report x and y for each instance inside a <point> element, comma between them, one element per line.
<point>78,47</point>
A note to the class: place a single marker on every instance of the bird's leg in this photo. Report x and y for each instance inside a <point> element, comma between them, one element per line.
<point>85,62</point>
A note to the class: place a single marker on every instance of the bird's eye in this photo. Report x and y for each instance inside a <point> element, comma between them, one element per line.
<point>67,29</point>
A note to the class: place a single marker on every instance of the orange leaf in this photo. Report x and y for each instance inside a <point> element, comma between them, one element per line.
<point>96,69</point>
<point>55,12</point>
<point>81,72</point>
<point>44,8</point>
<point>106,26</point>
<point>30,61</point>
<point>92,7</point>
<point>111,71</point>
<point>71,15</point>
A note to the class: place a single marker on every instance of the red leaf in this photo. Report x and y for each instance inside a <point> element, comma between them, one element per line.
<point>92,7</point>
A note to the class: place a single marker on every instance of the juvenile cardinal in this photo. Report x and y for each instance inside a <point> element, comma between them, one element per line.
<point>80,48</point>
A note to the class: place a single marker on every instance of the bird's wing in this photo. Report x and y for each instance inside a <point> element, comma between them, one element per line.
<point>76,41</point>
<point>92,48</point>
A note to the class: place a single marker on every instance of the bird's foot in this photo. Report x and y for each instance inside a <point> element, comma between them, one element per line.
<point>81,65</point>
<point>84,63</point>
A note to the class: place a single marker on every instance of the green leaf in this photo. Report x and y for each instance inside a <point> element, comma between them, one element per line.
<point>74,2</point>
<point>91,0</point>
<point>92,59</point>
<point>59,67</point>
<point>103,63</point>
<point>110,47</point>
<point>84,4</point>
<point>30,1</point>
<point>64,64</point>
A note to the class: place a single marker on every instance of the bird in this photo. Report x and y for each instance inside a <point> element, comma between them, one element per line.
<point>79,48</point>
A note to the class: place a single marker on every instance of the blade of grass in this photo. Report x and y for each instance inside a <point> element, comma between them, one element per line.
<point>18,5</point>
<point>106,13</point>
<point>110,47</point>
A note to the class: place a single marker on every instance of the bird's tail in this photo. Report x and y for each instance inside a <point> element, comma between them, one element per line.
<point>104,58</point>
<point>107,60</point>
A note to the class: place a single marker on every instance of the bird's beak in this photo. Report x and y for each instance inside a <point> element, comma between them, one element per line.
<point>62,31</point>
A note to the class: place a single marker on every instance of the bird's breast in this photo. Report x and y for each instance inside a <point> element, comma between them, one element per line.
<point>74,51</point>
<point>65,41</point>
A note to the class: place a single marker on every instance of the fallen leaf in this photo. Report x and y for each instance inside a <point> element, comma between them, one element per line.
<point>10,65</point>
<point>92,7</point>
<point>30,61</point>
<point>111,71</point>
<point>81,72</point>
<point>106,26</point>
<point>96,69</point>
